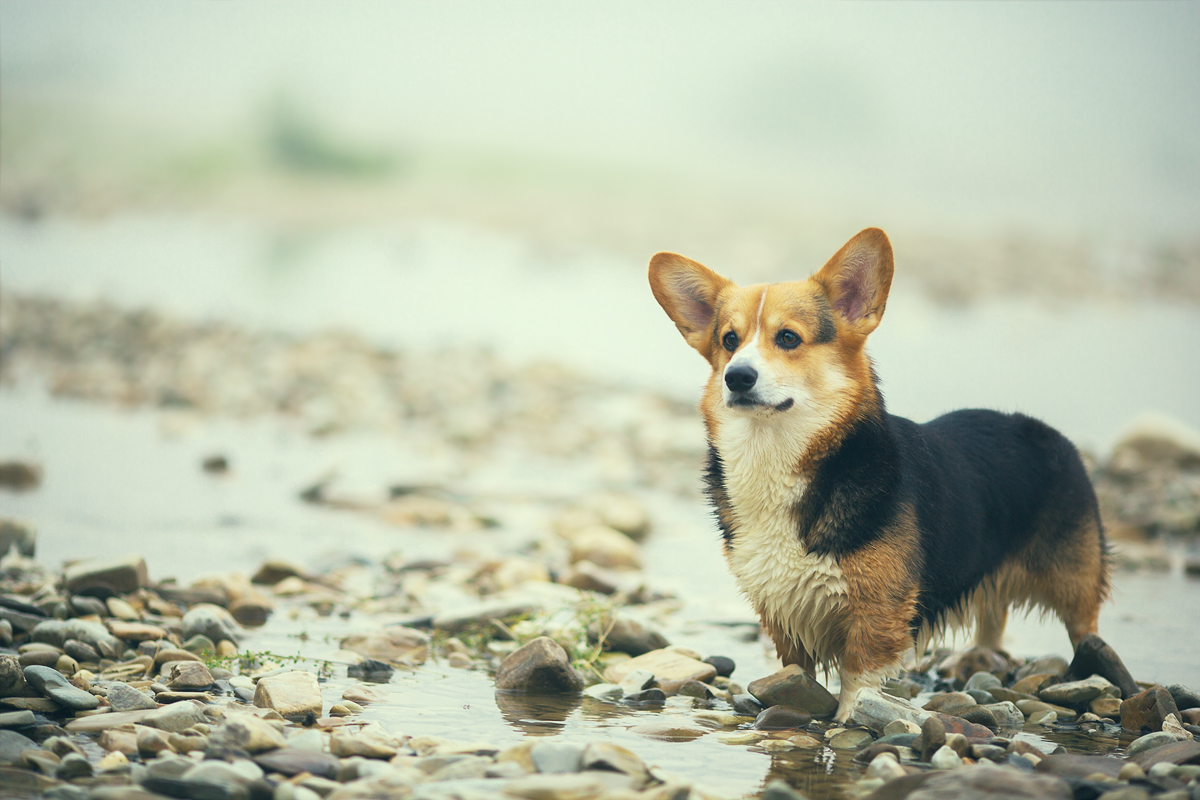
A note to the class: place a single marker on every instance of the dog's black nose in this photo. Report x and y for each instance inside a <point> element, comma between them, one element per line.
<point>740,378</point>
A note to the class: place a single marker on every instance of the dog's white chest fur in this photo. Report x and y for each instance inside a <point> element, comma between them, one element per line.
<point>799,594</point>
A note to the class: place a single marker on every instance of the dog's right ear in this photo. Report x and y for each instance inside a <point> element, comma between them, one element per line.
<point>687,291</point>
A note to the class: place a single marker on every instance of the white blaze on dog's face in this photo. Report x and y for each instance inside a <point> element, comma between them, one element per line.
<point>787,348</point>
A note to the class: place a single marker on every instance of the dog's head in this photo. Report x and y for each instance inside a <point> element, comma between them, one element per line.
<point>784,348</point>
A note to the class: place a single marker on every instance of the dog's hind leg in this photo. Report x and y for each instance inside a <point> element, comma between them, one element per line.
<point>991,617</point>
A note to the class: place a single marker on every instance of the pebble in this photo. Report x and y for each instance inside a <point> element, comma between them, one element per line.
<point>17,719</point>
<point>394,643</point>
<point>151,741</point>
<point>360,744</point>
<point>249,732</point>
<point>605,547</point>
<point>886,767</point>
<point>176,716</point>
<point>206,619</point>
<point>778,718</point>
<point>375,671</point>
<point>626,635</point>
<point>854,739</point>
<point>875,711</point>
<point>130,631</point>
<point>901,726</point>
<point>1076,693</point>
<point>1148,742</point>
<point>724,666</point>
<point>945,758</point>
<point>670,668</point>
<point>983,681</point>
<point>671,730</point>
<point>52,683</point>
<point>119,575</point>
<point>293,761</point>
<point>188,676</point>
<point>614,758</point>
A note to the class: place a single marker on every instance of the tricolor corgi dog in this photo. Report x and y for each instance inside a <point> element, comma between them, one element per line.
<point>857,534</point>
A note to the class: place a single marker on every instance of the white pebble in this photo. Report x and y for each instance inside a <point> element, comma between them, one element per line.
<point>945,758</point>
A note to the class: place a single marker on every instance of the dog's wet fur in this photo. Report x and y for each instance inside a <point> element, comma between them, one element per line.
<point>856,533</point>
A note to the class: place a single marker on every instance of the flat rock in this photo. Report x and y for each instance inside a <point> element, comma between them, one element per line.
<point>175,717</point>
<point>1076,693</point>
<point>673,730</point>
<point>294,694</point>
<point>188,676</point>
<point>614,758</point>
<point>345,744</point>
<point>1173,753</point>
<point>135,631</point>
<point>51,683</point>
<point>994,783</point>
<point>1076,766</point>
<point>106,576</point>
<point>291,761</point>
<point>394,643</point>
<point>792,686</point>
<point>853,739</point>
<point>875,710</point>
<point>123,697</point>
<point>102,722</point>
<point>948,700</point>
<point>1145,711</point>
<point>17,719</point>
<point>539,667</point>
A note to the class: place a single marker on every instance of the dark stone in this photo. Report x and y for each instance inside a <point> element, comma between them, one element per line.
<point>933,736</point>
<point>1184,697</point>
<point>291,761</point>
<point>17,604</point>
<point>20,621</point>
<point>191,595</point>
<point>780,790</point>
<point>195,790</point>
<point>539,667</point>
<point>746,704</point>
<point>700,691</point>
<point>868,753</point>
<point>792,686</point>
<point>212,621</point>
<point>901,788</point>
<point>782,718</point>
<point>627,636</point>
<point>371,670</point>
<point>39,658</point>
<point>959,725</point>
<point>724,665</point>
<point>1145,711</point>
<point>900,740</point>
<point>977,714</point>
<point>19,476</point>
<point>73,766</point>
<point>81,651</point>
<point>646,697</point>
<point>982,697</point>
<point>1094,656</point>
<point>83,605</point>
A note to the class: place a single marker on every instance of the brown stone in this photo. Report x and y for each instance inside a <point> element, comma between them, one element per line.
<point>539,667</point>
<point>1032,684</point>
<point>136,631</point>
<point>1147,710</point>
<point>392,644</point>
<point>122,575</point>
<point>294,695</point>
<point>1174,753</point>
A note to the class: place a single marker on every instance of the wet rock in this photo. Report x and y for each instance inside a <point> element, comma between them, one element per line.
<point>1147,710</point>
<point>1054,666</point>
<point>626,635</point>
<point>948,701</point>
<point>646,697</point>
<point>51,683</point>
<point>672,730</point>
<point>58,632</point>
<point>1031,707</point>
<point>188,676</point>
<point>396,643</point>
<point>989,783</point>
<point>73,766</point>
<point>701,691</point>
<point>371,670</point>
<point>294,695</point>
<point>724,666</point>
<point>875,711</point>
<point>604,691</point>
<point>792,686</point>
<point>853,739</point>
<point>1093,656</point>
<point>1148,742</point>
<point>1172,753</point>
<point>120,609</point>
<point>291,761</point>
<point>104,577</point>
<point>123,697</point>
<point>670,668</point>
<point>778,718</point>
<point>175,717</point>
<point>213,621</point>
<point>589,577</point>
<point>746,704</point>
<point>249,733</point>
<point>901,726</point>
<point>152,741</point>
<point>1007,715</point>
<point>251,610</point>
<point>39,658</point>
<point>539,667</point>
<point>1105,706</point>
<point>636,681</point>
<point>613,758</point>
<point>1076,693</point>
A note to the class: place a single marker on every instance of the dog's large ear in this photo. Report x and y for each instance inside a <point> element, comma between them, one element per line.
<point>858,279</point>
<point>687,291</point>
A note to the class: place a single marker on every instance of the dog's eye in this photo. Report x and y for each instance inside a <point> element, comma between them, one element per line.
<point>786,339</point>
<point>730,341</point>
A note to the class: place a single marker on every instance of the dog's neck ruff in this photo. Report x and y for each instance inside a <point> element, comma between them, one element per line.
<point>795,592</point>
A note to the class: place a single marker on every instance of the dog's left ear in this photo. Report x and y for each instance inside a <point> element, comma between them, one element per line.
<point>858,279</point>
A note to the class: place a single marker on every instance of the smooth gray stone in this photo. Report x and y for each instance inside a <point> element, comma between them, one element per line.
<point>550,756</point>
<point>176,717</point>
<point>17,719</point>
<point>72,766</point>
<point>12,744</point>
<point>51,683</point>
<point>213,622</point>
<point>123,697</point>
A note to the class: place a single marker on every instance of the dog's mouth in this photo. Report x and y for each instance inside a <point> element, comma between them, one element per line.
<point>747,401</point>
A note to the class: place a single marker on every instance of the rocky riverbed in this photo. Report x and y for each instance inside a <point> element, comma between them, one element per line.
<point>512,633</point>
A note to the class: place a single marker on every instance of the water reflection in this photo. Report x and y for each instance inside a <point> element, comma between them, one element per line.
<point>537,715</point>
